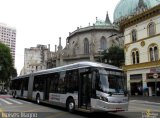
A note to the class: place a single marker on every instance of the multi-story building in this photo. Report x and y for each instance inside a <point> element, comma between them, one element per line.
<point>140,22</point>
<point>36,58</point>
<point>8,37</point>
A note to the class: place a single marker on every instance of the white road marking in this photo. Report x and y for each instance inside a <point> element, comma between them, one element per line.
<point>143,102</point>
<point>14,101</point>
<point>3,100</point>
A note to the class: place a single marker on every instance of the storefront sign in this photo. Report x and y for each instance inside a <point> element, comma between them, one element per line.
<point>155,75</point>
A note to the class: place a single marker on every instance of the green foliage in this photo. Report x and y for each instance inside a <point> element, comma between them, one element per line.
<point>13,72</point>
<point>114,56</point>
<point>6,63</point>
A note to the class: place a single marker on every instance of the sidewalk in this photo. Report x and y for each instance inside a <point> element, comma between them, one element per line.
<point>146,98</point>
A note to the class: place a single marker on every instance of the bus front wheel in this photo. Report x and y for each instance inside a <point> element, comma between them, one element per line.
<point>38,99</point>
<point>70,105</point>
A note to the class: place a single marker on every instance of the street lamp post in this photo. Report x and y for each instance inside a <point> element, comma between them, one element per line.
<point>156,86</point>
<point>155,76</point>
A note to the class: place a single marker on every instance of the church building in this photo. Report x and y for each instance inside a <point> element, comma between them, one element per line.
<point>87,43</point>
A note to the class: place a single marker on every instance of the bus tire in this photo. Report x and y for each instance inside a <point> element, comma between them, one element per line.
<point>14,94</point>
<point>70,105</point>
<point>38,99</point>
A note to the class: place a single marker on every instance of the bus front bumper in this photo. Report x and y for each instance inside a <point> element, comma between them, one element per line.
<point>99,105</point>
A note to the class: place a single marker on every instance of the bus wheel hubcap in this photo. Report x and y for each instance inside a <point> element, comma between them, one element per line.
<point>38,100</point>
<point>71,105</point>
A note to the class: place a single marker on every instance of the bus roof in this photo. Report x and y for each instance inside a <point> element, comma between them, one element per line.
<point>22,76</point>
<point>79,65</point>
<point>72,66</point>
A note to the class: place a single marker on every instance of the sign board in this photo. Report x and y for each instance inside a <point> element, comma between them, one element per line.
<point>155,75</point>
<point>155,70</point>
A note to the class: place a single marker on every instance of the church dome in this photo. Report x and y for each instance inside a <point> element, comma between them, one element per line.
<point>127,8</point>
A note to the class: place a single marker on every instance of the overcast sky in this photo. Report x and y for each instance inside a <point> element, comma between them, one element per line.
<point>44,21</point>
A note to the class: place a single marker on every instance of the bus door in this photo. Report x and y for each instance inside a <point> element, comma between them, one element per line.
<point>46,88</point>
<point>24,86</point>
<point>85,90</point>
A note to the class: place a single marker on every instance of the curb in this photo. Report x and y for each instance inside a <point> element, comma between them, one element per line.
<point>145,102</point>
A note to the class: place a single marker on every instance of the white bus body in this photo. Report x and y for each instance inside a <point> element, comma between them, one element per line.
<point>85,86</point>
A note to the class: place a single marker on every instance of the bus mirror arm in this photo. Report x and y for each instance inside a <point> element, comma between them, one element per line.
<point>110,93</point>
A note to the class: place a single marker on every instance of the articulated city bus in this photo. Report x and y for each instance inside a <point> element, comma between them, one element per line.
<point>84,86</point>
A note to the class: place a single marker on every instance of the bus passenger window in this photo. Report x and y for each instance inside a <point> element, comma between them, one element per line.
<point>36,86</point>
<point>61,83</point>
<point>71,81</point>
<point>39,80</point>
<point>54,83</point>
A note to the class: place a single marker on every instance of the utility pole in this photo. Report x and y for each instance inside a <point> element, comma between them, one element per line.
<point>155,76</point>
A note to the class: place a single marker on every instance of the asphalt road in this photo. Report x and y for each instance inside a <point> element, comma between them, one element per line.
<point>12,108</point>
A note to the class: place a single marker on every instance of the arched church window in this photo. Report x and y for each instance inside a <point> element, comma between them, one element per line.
<point>134,35</point>
<point>151,29</point>
<point>86,46</point>
<point>103,44</point>
<point>135,56</point>
<point>153,53</point>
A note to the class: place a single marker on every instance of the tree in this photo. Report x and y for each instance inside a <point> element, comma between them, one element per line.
<point>13,72</point>
<point>114,56</point>
<point>6,64</point>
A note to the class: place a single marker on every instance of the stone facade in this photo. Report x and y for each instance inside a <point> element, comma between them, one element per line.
<point>83,44</point>
<point>86,43</point>
<point>36,58</point>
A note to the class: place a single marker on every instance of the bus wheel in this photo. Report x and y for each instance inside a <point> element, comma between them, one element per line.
<point>38,99</point>
<point>70,105</point>
<point>14,94</point>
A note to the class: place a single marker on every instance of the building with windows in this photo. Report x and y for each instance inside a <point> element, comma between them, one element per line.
<point>139,20</point>
<point>83,44</point>
<point>36,58</point>
<point>87,43</point>
<point>8,37</point>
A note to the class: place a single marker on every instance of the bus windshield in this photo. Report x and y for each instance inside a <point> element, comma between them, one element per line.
<point>110,82</point>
